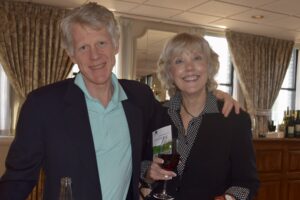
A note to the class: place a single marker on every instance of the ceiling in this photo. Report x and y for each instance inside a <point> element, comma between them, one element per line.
<point>281,17</point>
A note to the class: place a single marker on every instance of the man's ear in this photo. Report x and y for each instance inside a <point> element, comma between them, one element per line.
<point>117,50</point>
<point>73,59</point>
<point>71,55</point>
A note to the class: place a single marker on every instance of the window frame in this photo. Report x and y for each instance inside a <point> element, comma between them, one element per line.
<point>230,83</point>
<point>277,114</point>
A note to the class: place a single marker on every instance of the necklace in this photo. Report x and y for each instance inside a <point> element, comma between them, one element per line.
<point>187,112</point>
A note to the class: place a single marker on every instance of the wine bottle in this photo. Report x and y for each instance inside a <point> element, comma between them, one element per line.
<point>297,124</point>
<point>290,130</point>
<point>65,189</point>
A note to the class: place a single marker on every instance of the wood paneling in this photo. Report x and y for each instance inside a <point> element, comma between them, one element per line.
<point>278,165</point>
<point>269,190</point>
<point>270,160</point>
<point>38,190</point>
<point>293,190</point>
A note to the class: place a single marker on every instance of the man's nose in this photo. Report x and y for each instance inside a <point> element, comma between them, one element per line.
<point>95,53</point>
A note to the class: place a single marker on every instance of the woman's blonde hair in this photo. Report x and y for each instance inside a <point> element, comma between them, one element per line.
<point>176,46</point>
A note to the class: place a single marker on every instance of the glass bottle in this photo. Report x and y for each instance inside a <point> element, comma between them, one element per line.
<point>297,124</point>
<point>290,129</point>
<point>65,189</point>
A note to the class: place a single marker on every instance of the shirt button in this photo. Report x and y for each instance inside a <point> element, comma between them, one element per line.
<point>177,189</point>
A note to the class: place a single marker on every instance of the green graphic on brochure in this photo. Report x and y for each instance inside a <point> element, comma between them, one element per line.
<point>164,148</point>
<point>162,140</point>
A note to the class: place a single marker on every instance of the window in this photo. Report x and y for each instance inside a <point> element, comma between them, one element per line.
<point>225,75</point>
<point>5,111</point>
<point>73,71</point>
<point>287,95</point>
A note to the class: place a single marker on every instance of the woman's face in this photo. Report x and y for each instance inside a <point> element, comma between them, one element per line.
<point>189,71</point>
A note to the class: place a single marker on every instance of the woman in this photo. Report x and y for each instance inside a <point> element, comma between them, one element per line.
<point>217,157</point>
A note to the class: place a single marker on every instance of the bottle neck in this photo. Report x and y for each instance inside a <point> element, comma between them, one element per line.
<point>65,189</point>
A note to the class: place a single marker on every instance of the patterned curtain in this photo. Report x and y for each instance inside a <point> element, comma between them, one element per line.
<point>30,51</point>
<point>261,63</point>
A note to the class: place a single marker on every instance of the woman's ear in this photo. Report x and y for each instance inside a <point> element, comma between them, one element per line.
<point>116,50</point>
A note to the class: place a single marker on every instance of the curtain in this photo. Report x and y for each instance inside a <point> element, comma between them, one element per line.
<point>261,63</point>
<point>30,51</point>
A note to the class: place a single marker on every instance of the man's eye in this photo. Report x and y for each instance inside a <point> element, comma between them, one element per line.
<point>101,44</point>
<point>82,48</point>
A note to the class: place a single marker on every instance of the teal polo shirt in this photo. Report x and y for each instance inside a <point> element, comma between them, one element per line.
<point>111,141</point>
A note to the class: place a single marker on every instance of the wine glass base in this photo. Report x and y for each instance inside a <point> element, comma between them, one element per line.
<point>163,196</point>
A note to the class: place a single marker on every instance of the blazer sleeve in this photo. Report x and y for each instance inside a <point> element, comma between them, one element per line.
<point>157,117</point>
<point>244,173</point>
<point>25,155</point>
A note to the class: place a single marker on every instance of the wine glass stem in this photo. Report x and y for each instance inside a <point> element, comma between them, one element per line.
<point>165,187</point>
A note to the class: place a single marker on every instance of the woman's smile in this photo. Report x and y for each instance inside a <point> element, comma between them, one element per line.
<point>191,78</point>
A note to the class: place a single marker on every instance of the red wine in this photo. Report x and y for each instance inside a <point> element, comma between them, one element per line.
<point>170,161</point>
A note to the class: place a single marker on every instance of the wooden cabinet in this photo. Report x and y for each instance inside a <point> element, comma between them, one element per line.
<point>278,165</point>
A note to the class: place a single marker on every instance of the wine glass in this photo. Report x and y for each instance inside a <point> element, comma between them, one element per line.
<point>171,159</point>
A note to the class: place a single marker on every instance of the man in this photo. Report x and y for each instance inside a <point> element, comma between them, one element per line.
<point>91,128</point>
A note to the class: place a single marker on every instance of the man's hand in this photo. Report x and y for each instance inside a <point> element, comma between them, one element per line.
<point>229,102</point>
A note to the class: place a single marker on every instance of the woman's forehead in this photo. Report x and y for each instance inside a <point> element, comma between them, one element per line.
<point>179,52</point>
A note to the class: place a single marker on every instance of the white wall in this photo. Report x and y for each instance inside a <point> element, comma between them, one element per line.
<point>4,146</point>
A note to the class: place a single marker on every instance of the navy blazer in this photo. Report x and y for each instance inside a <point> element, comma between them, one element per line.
<point>54,133</point>
<point>222,156</point>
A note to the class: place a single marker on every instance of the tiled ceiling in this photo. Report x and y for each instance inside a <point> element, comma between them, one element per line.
<point>281,17</point>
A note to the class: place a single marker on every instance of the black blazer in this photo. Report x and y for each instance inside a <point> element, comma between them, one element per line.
<point>53,133</point>
<point>222,156</point>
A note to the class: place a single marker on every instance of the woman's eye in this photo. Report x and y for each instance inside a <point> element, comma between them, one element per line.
<point>198,57</point>
<point>178,61</point>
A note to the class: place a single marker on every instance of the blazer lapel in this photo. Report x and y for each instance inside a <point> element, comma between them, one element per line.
<point>79,132</point>
<point>134,119</point>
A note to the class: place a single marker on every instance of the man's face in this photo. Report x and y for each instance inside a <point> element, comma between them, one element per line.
<point>94,53</point>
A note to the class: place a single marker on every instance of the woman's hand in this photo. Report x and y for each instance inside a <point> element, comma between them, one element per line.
<point>155,172</point>
<point>229,102</point>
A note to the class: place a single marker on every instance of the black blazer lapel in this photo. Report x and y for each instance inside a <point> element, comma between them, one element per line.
<point>134,120</point>
<point>80,134</point>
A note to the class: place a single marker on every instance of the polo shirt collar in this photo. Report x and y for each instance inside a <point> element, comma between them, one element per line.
<point>118,94</point>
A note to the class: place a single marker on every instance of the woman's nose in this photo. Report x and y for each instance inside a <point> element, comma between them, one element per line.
<point>190,65</point>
